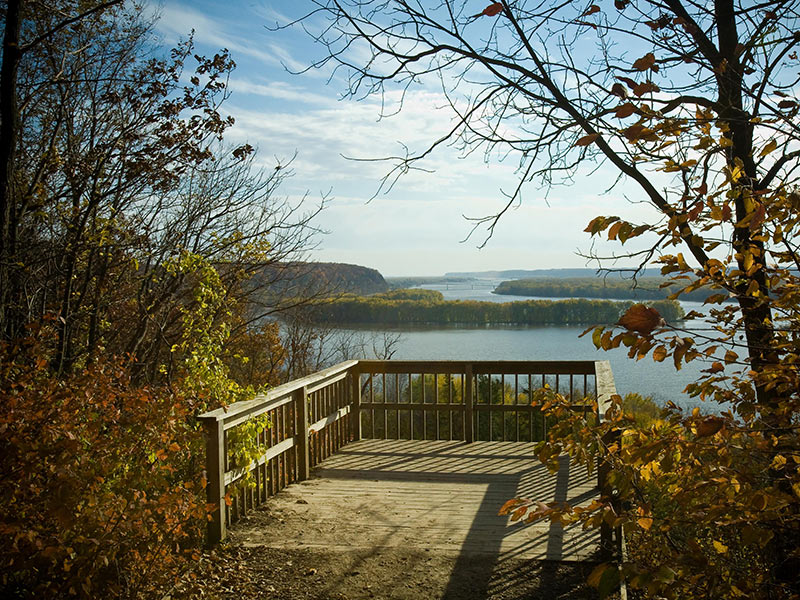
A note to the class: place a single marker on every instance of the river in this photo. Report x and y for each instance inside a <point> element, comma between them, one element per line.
<point>659,380</point>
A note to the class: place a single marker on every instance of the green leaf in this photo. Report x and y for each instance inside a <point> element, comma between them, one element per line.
<point>609,582</point>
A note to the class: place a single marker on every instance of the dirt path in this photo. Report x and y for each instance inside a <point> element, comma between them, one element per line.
<point>256,573</point>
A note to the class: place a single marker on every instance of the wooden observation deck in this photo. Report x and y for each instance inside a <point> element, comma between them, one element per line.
<point>371,454</point>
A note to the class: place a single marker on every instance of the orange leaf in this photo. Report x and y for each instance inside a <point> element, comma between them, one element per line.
<point>493,9</point>
<point>625,110</point>
<point>644,63</point>
<point>641,319</point>
<point>587,139</point>
<point>619,90</point>
<point>645,522</point>
<point>509,505</point>
<point>731,356</point>
<point>643,88</point>
<point>709,426</point>
<point>519,513</point>
<point>659,354</point>
<point>614,230</point>
<point>702,189</point>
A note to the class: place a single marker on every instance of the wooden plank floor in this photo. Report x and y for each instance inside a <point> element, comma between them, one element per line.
<point>434,495</point>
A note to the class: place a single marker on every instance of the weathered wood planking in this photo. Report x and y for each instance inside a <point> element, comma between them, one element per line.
<point>442,496</point>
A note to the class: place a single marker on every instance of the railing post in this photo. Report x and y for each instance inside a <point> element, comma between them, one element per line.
<point>469,434</point>
<point>301,432</point>
<point>608,548</point>
<point>215,472</point>
<point>605,388</point>
<point>355,406</point>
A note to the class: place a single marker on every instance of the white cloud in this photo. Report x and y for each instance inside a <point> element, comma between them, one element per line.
<point>178,20</point>
<point>278,90</point>
<point>417,227</point>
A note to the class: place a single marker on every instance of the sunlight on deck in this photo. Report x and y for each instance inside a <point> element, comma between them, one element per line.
<point>440,496</point>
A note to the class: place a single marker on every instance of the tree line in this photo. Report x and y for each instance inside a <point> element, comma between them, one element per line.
<point>417,307</point>
<point>645,288</point>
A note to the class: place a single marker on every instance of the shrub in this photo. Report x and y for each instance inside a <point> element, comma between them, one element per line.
<point>103,494</point>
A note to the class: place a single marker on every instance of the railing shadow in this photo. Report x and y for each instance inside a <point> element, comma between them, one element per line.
<point>493,553</point>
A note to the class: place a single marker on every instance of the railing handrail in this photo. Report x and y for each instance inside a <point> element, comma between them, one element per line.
<point>480,367</point>
<point>238,412</point>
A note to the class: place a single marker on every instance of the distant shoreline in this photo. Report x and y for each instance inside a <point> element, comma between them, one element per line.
<point>427,307</point>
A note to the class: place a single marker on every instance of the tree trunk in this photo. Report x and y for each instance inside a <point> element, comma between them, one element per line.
<point>8,145</point>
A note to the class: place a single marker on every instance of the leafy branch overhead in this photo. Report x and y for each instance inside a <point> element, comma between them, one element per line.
<point>692,110</point>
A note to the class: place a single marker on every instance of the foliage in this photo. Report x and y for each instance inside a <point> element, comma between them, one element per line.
<point>130,307</point>
<point>418,391</point>
<point>412,294</point>
<point>397,308</point>
<point>692,493</point>
<point>114,180</point>
<point>103,493</point>
<point>643,409</point>
<point>302,279</point>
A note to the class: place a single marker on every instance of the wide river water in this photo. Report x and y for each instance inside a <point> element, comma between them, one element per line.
<point>658,380</point>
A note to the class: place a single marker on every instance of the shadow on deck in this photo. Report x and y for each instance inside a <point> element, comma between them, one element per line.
<point>433,496</point>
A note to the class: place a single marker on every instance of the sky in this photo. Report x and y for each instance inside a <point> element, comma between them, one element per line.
<point>418,227</point>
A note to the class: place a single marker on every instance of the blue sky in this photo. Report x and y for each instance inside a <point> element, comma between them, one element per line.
<point>418,227</point>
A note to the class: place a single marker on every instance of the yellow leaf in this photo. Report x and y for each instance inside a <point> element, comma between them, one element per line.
<point>645,523</point>
<point>771,146</point>
<point>778,462</point>
<point>759,502</point>
<point>796,489</point>
<point>659,354</point>
<point>720,547</point>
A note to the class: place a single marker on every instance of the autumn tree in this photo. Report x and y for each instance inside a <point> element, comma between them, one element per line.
<point>691,107</point>
<point>131,232</point>
<point>116,165</point>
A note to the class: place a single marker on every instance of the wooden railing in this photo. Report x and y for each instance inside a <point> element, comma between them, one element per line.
<point>311,418</point>
<point>306,425</point>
